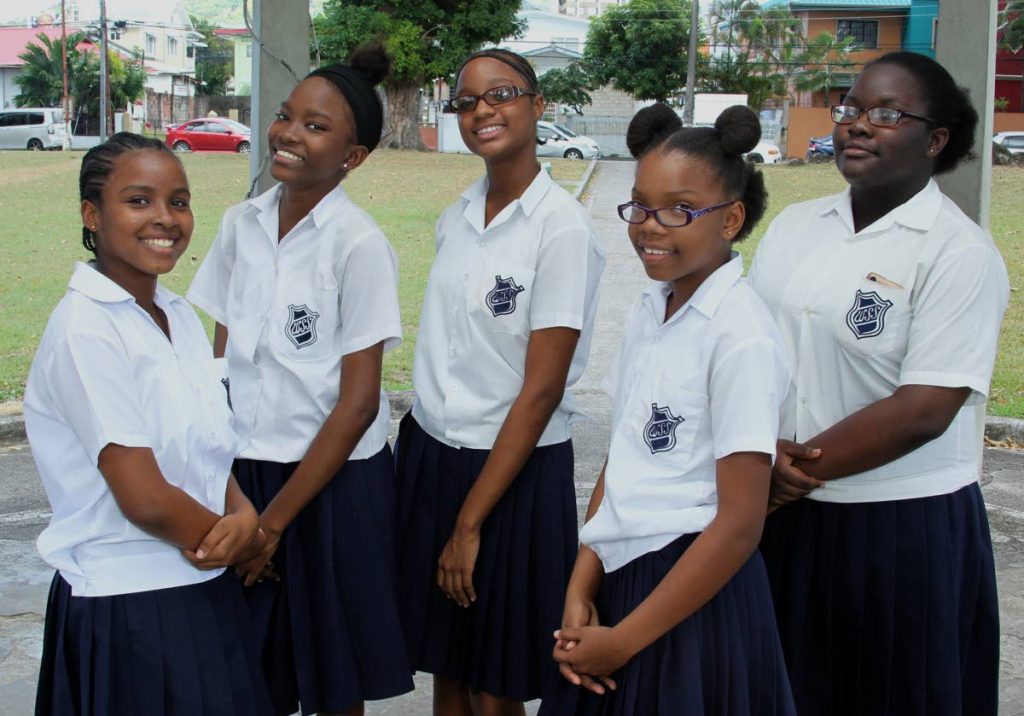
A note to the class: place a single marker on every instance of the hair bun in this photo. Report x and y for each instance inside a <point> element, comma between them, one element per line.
<point>739,130</point>
<point>650,124</point>
<point>372,61</point>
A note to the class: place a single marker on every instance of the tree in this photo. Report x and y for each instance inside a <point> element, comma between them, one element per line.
<point>730,20</point>
<point>567,86</point>
<point>740,75</point>
<point>42,82</point>
<point>215,62</point>
<point>826,61</point>
<point>1011,26</point>
<point>640,47</point>
<point>426,39</point>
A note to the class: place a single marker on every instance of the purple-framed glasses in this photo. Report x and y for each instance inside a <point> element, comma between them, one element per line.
<point>672,217</point>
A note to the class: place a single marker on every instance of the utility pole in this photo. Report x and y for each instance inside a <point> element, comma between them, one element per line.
<point>691,62</point>
<point>104,73</point>
<point>66,144</point>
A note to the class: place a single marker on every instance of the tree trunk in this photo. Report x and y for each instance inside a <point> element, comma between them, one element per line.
<point>401,124</point>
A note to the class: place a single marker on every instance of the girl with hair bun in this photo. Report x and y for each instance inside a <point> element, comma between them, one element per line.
<point>487,505</point>
<point>890,300</point>
<point>304,288</point>
<point>668,610</point>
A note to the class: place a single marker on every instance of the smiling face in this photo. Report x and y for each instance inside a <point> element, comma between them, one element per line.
<point>684,255</point>
<point>313,136</point>
<point>871,157</point>
<point>144,217</point>
<point>505,130</point>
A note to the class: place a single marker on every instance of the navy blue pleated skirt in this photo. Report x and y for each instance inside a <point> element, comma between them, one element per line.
<point>887,607</point>
<point>724,659</point>
<point>501,644</point>
<point>329,631</point>
<point>181,651</point>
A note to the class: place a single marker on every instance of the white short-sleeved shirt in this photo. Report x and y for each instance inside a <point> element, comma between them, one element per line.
<point>293,308</point>
<point>536,265</point>
<point>917,298</point>
<point>106,374</point>
<point>708,382</point>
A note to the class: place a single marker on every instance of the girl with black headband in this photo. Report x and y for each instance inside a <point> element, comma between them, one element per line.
<point>303,286</point>
<point>487,507</point>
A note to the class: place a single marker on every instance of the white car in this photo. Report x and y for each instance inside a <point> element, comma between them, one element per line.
<point>764,153</point>
<point>33,128</point>
<point>1013,142</point>
<point>554,140</point>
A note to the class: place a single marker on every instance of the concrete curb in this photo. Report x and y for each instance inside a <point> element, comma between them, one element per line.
<point>12,426</point>
<point>585,180</point>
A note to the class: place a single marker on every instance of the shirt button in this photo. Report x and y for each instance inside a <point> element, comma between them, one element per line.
<point>256,358</point>
<point>213,435</point>
<point>451,351</point>
<point>465,276</point>
<point>807,310</point>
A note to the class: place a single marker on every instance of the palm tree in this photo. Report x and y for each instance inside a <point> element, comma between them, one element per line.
<point>42,81</point>
<point>826,64</point>
<point>730,20</point>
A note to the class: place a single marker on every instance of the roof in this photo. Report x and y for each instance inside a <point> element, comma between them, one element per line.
<point>552,51</point>
<point>232,32</point>
<point>840,4</point>
<point>14,40</point>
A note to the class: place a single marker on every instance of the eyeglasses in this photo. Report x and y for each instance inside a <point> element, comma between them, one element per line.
<point>633,212</point>
<point>494,96</point>
<point>878,116</point>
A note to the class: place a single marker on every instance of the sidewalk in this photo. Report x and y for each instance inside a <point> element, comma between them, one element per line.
<point>24,579</point>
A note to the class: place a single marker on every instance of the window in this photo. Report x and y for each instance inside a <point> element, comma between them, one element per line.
<point>1016,142</point>
<point>35,118</point>
<point>248,49</point>
<point>172,47</point>
<point>150,45</point>
<point>863,32</point>
<point>190,51</point>
<point>569,43</point>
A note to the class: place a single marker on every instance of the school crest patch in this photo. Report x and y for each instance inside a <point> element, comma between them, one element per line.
<point>867,316</point>
<point>502,298</point>
<point>660,431</point>
<point>301,325</point>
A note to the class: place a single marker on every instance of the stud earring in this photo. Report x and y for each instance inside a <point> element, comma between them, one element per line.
<point>344,166</point>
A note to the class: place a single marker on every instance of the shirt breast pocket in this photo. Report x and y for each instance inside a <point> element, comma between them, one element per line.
<point>307,322</point>
<point>499,297</point>
<point>668,428</point>
<point>873,320</point>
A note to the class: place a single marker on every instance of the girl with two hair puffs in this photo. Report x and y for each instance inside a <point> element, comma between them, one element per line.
<point>668,610</point>
<point>303,286</point>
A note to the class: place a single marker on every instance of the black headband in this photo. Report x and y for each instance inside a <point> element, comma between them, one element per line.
<point>509,58</point>
<point>361,97</point>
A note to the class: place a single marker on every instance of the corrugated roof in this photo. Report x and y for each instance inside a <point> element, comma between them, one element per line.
<point>840,4</point>
<point>14,40</point>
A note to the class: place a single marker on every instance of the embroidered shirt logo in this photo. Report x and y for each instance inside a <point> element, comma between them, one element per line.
<point>301,325</point>
<point>502,298</point>
<point>867,317</point>
<point>660,431</point>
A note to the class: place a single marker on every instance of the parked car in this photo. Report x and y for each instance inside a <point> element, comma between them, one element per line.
<point>1013,142</point>
<point>764,153</point>
<point>209,134</point>
<point>35,128</point>
<point>820,145</point>
<point>554,140</point>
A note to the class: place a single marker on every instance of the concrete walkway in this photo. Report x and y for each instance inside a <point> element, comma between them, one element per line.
<point>24,512</point>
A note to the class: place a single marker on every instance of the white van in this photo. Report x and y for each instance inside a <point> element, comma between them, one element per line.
<point>33,128</point>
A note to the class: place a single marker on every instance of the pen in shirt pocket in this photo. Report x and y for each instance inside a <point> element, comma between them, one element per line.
<point>879,279</point>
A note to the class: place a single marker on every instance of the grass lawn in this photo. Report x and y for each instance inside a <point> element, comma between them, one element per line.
<point>405,192</point>
<point>41,238</point>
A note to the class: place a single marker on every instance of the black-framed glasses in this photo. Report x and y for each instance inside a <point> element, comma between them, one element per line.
<point>878,116</point>
<point>494,96</point>
<point>672,217</point>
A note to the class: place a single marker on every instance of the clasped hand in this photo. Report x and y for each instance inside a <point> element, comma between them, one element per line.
<point>587,653</point>
<point>232,539</point>
<point>789,483</point>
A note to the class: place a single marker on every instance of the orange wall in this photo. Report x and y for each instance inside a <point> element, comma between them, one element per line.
<point>804,123</point>
<point>890,30</point>
<point>1008,122</point>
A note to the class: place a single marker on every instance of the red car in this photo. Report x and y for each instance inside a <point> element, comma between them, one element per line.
<point>210,134</point>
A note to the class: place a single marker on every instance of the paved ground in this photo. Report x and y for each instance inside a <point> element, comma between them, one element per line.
<point>23,509</point>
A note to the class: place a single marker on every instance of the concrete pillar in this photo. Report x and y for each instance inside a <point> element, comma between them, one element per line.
<point>281,34</point>
<point>966,46</point>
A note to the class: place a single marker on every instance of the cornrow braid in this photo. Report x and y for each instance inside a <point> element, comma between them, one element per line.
<point>97,164</point>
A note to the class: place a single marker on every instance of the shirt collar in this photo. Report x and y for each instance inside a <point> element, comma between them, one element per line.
<point>268,202</point>
<point>706,299</point>
<point>89,282</point>
<point>919,212</point>
<point>475,197</point>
